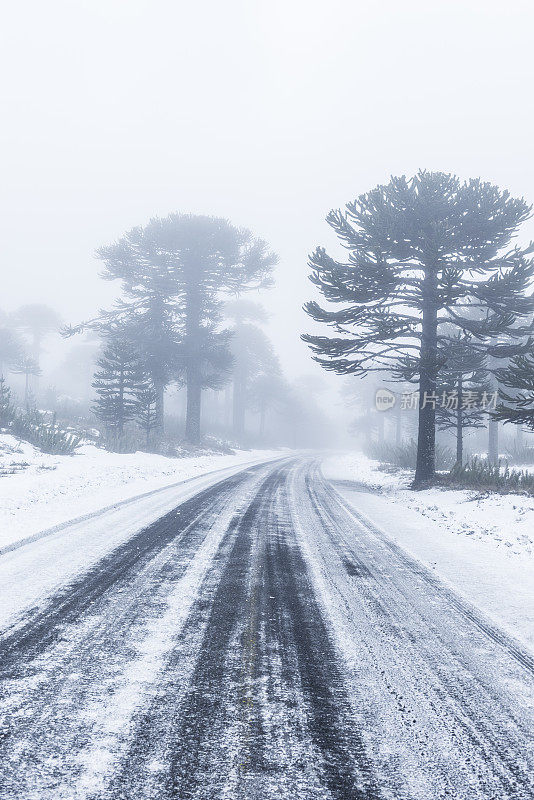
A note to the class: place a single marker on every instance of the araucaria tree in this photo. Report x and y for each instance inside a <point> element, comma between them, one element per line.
<point>147,312</point>
<point>39,321</point>
<point>517,398</point>
<point>145,410</point>
<point>7,411</point>
<point>177,268</point>
<point>268,392</point>
<point>424,253</point>
<point>253,356</point>
<point>464,392</point>
<point>117,383</point>
<point>11,349</point>
<point>28,367</point>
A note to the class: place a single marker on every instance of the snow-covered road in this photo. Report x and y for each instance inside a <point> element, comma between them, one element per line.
<point>260,639</point>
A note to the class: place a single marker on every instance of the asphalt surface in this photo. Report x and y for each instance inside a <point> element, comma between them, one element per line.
<point>262,641</point>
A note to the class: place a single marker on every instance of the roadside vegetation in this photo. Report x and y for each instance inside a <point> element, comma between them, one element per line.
<point>481,474</point>
<point>32,426</point>
<point>475,472</point>
<point>404,455</point>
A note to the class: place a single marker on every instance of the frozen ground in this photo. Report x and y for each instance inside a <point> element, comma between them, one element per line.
<point>481,544</point>
<point>40,491</point>
<point>257,640</point>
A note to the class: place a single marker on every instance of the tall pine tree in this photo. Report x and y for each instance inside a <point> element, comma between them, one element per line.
<point>463,390</point>
<point>268,392</point>
<point>194,260</point>
<point>423,253</point>
<point>145,411</point>
<point>147,314</point>
<point>29,368</point>
<point>119,378</point>
<point>11,349</point>
<point>253,356</point>
<point>7,410</point>
<point>517,399</point>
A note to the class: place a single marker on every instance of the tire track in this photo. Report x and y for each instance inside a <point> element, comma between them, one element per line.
<point>57,676</point>
<point>265,712</point>
<point>261,642</point>
<point>346,769</point>
<point>39,630</point>
<point>445,688</point>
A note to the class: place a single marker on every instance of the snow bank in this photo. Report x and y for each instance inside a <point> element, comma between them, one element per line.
<point>481,544</point>
<point>39,491</point>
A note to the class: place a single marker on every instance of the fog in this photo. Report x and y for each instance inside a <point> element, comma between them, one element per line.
<point>268,114</point>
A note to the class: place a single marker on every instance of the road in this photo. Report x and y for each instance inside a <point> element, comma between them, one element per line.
<point>262,641</point>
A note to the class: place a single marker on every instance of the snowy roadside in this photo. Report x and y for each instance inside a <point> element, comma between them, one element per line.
<point>480,544</point>
<point>42,491</point>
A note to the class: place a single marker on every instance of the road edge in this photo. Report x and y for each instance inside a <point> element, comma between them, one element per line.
<point>34,537</point>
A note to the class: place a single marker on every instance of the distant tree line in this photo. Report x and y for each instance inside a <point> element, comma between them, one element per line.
<point>22,335</point>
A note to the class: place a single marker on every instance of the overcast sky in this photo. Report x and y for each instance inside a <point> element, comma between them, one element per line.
<point>268,112</point>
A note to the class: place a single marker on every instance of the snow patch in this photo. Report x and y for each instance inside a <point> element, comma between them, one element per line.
<point>40,491</point>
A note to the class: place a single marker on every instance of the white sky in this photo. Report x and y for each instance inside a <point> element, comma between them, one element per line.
<point>269,113</point>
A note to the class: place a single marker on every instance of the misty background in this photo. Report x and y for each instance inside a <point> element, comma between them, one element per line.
<point>269,114</point>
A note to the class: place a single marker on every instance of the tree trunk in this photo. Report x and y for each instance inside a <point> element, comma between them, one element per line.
<point>262,421</point>
<point>460,425</point>
<point>36,347</point>
<point>238,406</point>
<point>192,418</point>
<point>426,440</point>
<point>493,425</point>
<point>493,442</point>
<point>160,406</point>
<point>193,370</point>
<point>398,425</point>
<point>228,405</point>
<point>381,422</point>
<point>120,416</point>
